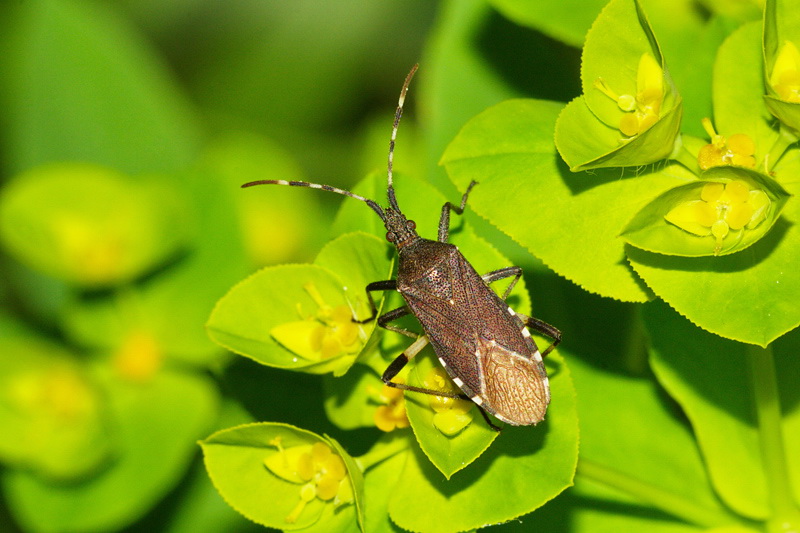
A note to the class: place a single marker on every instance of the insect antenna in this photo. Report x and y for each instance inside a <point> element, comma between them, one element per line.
<point>375,207</point>
<point>397,114</point>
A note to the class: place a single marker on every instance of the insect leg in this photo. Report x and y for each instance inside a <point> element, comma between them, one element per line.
<point>394,314</point>
<point>534,323</point>
<point>444,220</point>
<point>384,319</point>
<point>402,360</point>
<point>544,328</point>
<point>488,420</point>
<point>503,273</point>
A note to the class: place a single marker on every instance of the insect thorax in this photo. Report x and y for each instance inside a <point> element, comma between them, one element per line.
<point>425,260</point>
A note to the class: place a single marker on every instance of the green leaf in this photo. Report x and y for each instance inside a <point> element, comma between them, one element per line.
<point>651,229</point>
<point>586,143</point>
<point>170,412</point>
<point>619,415</point>
<point>86,224</point>
<point>82,85</point>
<point>379,483</point>
<point>245,319</point>
<point>278,224</point>
<point>613,51</point>
<point>448,452</point>
<point>356,479</point>
<point>51,411</point>
<point>566,21</point>
<point>532,463</point>
<point>529,195</point>
<point>711,378</point>
<point>630,112</point>
<point>787,112</point>
<point>782,61</point>
<point>245,464</point>
<point>738,90</point>
<point>352,399</point>
<point>455,58</point>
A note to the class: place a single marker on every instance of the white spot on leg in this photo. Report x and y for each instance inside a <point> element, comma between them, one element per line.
<point>315,185</point>
<point>282,182</point>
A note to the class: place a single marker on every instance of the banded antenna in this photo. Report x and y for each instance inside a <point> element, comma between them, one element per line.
<point>390,187</point>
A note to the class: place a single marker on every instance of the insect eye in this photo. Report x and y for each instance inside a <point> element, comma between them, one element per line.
<point>390,236</point>
<point>411,225</point>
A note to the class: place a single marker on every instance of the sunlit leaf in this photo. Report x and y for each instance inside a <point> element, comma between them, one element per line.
<point>534,463</point>
<point>275,475</point>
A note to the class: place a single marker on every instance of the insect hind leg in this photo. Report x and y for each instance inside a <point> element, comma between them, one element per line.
<point>545,329</point>
<point>444,220</point>
<point>402,360</point>
<point>507,272</point>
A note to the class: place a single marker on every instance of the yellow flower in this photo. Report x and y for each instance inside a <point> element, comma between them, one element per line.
<point>139,357</point>
<point>738,150</point>
<point>392,413</point>
<point>722,208</point>
<point>785,78</point>
<point>329,333</point>
<point>453,415</point>
<point>321,473</point>
<point>641,111</point>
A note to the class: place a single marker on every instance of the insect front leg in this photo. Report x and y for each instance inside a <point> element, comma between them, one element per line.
<point>384,319</point>
<point>444,220</point>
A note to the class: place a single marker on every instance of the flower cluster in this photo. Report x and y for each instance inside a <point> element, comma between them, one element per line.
<point>721,208</point>
<point>642,110</point>
<point>453,415</point>
<point>328,333</point>
<point>320,472</point>
<point>391,414</point>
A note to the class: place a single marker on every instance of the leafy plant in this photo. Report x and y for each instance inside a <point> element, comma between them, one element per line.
<point>644,212</point>
<point>638,159</point>
<point>319,305</point>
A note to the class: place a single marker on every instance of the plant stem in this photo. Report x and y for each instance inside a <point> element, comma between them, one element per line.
<point>770,438</point>
<point>684,157</point>
<point>785,139</point>
<point>659,498</point>
<point>387,446</point>
<point>634,347</point>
